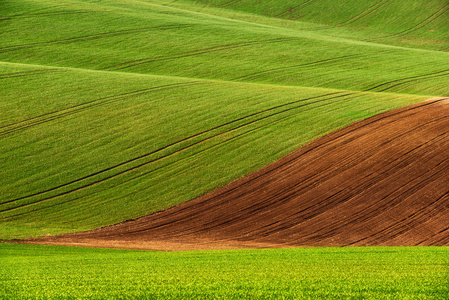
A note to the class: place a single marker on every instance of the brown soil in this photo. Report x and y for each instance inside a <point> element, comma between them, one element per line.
<point>383,181</point>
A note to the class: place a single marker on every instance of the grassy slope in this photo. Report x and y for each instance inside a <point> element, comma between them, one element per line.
<point>111,110</point>
<point>406,22</point>
<point>41,272</point>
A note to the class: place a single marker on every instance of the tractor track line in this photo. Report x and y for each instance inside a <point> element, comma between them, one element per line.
<point>281,69</point>
<point>170,145</point>
<point>418,26</point>
<point>408,79</point>
<point>132,179</point>
<point>427,21</point>
<point>51,116</point>
<point>365,13</point>
<point>27,73</point>
<point>302,5</point>
<point>228,3</point>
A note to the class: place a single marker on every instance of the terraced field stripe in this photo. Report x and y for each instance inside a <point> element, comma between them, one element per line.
<point>181,141</point>
<point>154,170</point>
<point>332,201</point>
<point>180,217</point>
<point>47,206</point>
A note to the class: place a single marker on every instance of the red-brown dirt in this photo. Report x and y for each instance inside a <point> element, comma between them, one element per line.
<point>383,181</point>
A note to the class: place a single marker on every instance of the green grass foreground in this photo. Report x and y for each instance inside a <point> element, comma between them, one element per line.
<point>47,272</point>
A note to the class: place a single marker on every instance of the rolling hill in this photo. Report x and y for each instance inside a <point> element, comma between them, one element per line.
<point>112,110</point>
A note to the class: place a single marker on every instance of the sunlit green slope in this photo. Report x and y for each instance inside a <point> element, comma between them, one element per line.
<point>110,110</point>
<point>413,23</point>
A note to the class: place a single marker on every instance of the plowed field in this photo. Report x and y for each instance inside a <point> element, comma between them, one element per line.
<point>382,181</point>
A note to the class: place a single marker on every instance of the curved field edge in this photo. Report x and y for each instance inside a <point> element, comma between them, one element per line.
<point>30,271</point>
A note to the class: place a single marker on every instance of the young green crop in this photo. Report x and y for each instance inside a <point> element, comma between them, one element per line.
<point>410,23</point>
<point>42,272</point>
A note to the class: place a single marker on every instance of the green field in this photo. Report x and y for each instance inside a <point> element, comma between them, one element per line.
<point>44,272</point>
<point>114,109</point>
<point>110,110</point>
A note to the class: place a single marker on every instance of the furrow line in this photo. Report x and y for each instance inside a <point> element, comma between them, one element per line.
<point>229,191</point>
<point>440,241</point>
<point>417,218</point>
<point>211,204</point>
<point>372,210</point>
<point>403,225</point>
<point>368,181</point>
<point>387,205</point>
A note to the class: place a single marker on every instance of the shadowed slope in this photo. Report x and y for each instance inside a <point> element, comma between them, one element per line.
<point>382,181</point>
